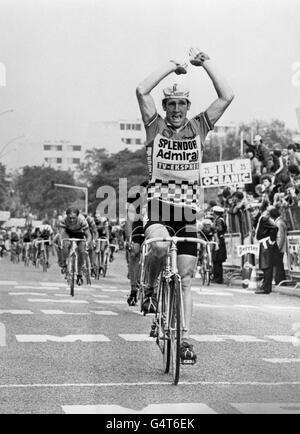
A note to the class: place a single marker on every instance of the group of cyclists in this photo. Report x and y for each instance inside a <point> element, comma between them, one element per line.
<point>170,197</point>
<point>27,244</point>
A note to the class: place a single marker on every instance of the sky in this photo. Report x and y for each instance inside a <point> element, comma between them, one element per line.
<point>72,63</point>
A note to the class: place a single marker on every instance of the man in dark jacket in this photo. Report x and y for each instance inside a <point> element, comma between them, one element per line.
<point>266,233</point>
<point>219,254</point>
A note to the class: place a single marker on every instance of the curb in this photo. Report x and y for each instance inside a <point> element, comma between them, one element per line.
<point>284,290</point>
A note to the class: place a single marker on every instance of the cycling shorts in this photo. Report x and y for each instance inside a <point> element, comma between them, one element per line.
<point>138,232</point>
<point>179,221</point>
<point>75,234</point>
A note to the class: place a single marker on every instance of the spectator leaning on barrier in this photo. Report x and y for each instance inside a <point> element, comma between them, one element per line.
<point>268,187</point>
<point>280,244</point>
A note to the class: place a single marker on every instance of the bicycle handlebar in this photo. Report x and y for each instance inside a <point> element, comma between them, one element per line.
<point>176,240</point>
<point>73,239</point>
<point>41,241</point>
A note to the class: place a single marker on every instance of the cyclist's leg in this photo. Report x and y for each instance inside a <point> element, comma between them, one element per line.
<point>81,256</point>
<point>64,251</point>
<point>134,258</point>
<point>157,253</point>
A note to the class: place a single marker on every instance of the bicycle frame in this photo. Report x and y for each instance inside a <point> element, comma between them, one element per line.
<point>169,272</point>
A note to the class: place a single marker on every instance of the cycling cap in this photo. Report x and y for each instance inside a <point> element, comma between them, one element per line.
<point>218,209</point>
<point>176,91</point>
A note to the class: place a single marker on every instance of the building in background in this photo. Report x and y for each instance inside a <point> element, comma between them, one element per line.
<point>62,154</point>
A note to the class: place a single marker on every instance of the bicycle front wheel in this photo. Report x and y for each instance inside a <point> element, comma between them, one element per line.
<point>71,274</point>
<point>175,327</point>
<point>163,335</point>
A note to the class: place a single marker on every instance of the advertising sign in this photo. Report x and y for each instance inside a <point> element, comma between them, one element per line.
<point>248,248</point>
<point>293,252</point>
<point>233,241</point>
<point>222,173</point>
<point>4,216</point>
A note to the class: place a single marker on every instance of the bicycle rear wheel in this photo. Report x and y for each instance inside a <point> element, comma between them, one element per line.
<point>105,264</point>
<point>163,335</point>
<point>175,327</point>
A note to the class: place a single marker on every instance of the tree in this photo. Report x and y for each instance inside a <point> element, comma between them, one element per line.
<point>4,188</point>
<point>92,165</point>
<point>34,187</point>
<point>125,164</point>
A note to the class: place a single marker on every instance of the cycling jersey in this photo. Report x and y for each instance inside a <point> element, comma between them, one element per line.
<point>80,224</point>
<point>46,231</point>
<point>174,158</point>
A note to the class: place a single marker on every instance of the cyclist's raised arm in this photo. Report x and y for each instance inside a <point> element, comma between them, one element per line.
<point>224,91</point>
<point>145,100</point>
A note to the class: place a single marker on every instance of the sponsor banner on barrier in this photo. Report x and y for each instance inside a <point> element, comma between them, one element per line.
<point>293,250</point>
<point>221,173</point>
<point>233,241</point>
<point>4,216</point>
<point>248,248</point>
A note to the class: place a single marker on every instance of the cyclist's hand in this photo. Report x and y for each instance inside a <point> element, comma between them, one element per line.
<point>180,67</point>
<point>197,57</point>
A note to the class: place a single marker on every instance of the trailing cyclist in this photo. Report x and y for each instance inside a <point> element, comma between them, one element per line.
<point>92,246</point>
<point>74,225</point>
<point>174,149</point>
<point>135,236</point>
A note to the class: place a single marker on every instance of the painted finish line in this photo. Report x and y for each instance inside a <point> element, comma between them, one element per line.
<point>68,338</point>
<point>152,383</point>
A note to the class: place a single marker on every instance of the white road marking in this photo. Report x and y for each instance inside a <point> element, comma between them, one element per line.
<point>218,294</point>
<point>2,335</point>
<point>240,291</point>
<point>270,306</point>
<point>41,300</point>
<point>115,290</point>
<point>223,338</point>
<point>153,383</point>
<point>63,285</point>
<point>245,306</point>
<point>285,339</point>
<point>282,360</point>
<point>109,301</point>
<point>100,296</point>
<point>8,282</point>
<point>213,306</point>
<point>104,286</point>
<point>39,294</point>
<point>104,312</point>
<point>137,338</point>
<point>16,312</point>
<point>61,312</point>
<point>35,287</point>
<point>268,408</point>
<point>181,408</point>
<point>68,338</point>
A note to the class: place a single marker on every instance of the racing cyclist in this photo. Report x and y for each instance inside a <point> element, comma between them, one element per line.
<point>74,225</point>
<point>174,151</point>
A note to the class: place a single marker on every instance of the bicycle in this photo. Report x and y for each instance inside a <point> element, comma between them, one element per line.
<point>15,252</point>
<point>206,265</point>
<point>72,263</point>
<point>102,257</point>
<point>169,322</point>
<point>41,254</point>
<point>26,247</point>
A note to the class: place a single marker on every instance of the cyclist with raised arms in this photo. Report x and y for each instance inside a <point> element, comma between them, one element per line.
<point>174,150</point>
<point>74,225</point>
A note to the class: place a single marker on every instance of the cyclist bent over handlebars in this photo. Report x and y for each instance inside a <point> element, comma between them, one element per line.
<point>74,225</point>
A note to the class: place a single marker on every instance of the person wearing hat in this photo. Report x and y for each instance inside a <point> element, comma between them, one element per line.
<point>174,150</point>
<point>220,253</point>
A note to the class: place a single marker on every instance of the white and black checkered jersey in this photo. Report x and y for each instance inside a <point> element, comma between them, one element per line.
<point>174,158</point>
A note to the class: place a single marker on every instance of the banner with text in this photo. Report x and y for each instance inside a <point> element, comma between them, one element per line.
<point>222,173</point>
